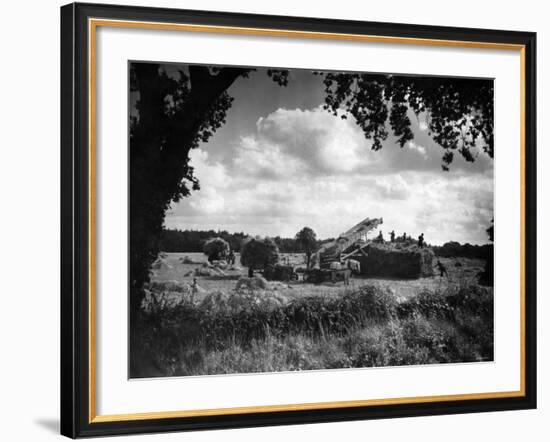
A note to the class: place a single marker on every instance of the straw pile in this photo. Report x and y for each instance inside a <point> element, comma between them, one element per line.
<point>255,283</point>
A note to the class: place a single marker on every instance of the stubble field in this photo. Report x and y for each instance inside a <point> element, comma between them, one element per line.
<point>198,320</point>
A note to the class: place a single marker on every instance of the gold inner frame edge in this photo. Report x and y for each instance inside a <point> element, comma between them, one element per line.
<point>93,24</point>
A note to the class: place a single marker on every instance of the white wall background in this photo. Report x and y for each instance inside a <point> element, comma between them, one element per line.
<point>29,225</point>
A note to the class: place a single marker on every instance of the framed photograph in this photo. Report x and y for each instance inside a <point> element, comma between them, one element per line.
<point>274,220</point>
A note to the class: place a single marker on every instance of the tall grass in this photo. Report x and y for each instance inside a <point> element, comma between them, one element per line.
<point>257,331</point>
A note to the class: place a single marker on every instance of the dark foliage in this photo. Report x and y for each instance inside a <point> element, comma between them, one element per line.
<point>454,249</point>
<point>486,252</point>
<point>173,116</point>
<point>306,240</point>
<point>192,241</point>
<point>371,327</point>
<point>287,245</point>
<point>487,277</point>
<point>459,111</point>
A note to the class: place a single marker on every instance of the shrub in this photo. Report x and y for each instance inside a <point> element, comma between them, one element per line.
<point>307,242</point>
<point>251,330</point>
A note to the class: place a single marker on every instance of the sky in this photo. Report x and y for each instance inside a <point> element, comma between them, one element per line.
<point>281,162</point>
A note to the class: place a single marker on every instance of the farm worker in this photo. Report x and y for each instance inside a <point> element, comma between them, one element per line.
<point>442,269</point>
<point>380,236</point>
<point>392,236</point>
<point>404,236</point>
<point>231,257</point>
<point>194,290</point>
<point>314,263</point>
<point>421,240</point>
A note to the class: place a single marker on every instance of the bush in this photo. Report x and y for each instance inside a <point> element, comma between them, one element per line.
<point>251,330</point>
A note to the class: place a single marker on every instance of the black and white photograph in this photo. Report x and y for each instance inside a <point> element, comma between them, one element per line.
<point>291,219</point>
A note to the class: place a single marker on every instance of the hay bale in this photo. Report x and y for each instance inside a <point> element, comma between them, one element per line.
<point>255,283</point>
<point>276,285</point>
<point>398,262</point>
<point>234,267</point>
<point>208,271</point>
<point>167,286</point>
<point>160,264</point>
<point>278,272</point>
<point>188,260</point>
<point>217,300</point>
<point>200,290</point>
<point>221,264</point>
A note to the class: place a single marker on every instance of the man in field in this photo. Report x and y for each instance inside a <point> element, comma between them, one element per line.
<point>442,269</point>
<point>421,241</point>
<point>392,236</point>
<point>194,290</point>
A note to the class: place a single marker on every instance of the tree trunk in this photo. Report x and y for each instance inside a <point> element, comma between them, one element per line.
<point>159,157</point>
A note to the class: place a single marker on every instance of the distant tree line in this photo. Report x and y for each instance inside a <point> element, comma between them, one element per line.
<point>188,241</point>
<point>453,249</point>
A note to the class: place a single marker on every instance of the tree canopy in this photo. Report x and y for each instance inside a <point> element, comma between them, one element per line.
<point>307,240</point>
<point>459,111</point>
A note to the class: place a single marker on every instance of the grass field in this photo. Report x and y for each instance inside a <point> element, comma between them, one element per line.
<point>174,270</point>
<point>301,326</point>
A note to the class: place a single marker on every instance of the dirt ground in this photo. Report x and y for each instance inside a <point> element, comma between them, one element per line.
<point>461,271</point>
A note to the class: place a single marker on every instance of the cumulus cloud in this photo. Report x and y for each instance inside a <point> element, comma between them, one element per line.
<point>312,142</point>
<point>420,149</point>
<point>290,142</point>
<point>307,167</point>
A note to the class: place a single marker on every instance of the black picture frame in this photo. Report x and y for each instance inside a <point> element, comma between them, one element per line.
<point>75,220</point>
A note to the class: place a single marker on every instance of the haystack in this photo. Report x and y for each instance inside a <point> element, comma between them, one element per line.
<point>255,283</point>
<point>386,259</point>
<point>167,286</point>
<point>160,264</point>
<point>208,271</point>
<point>188,260</point>
<point>278,272</point>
